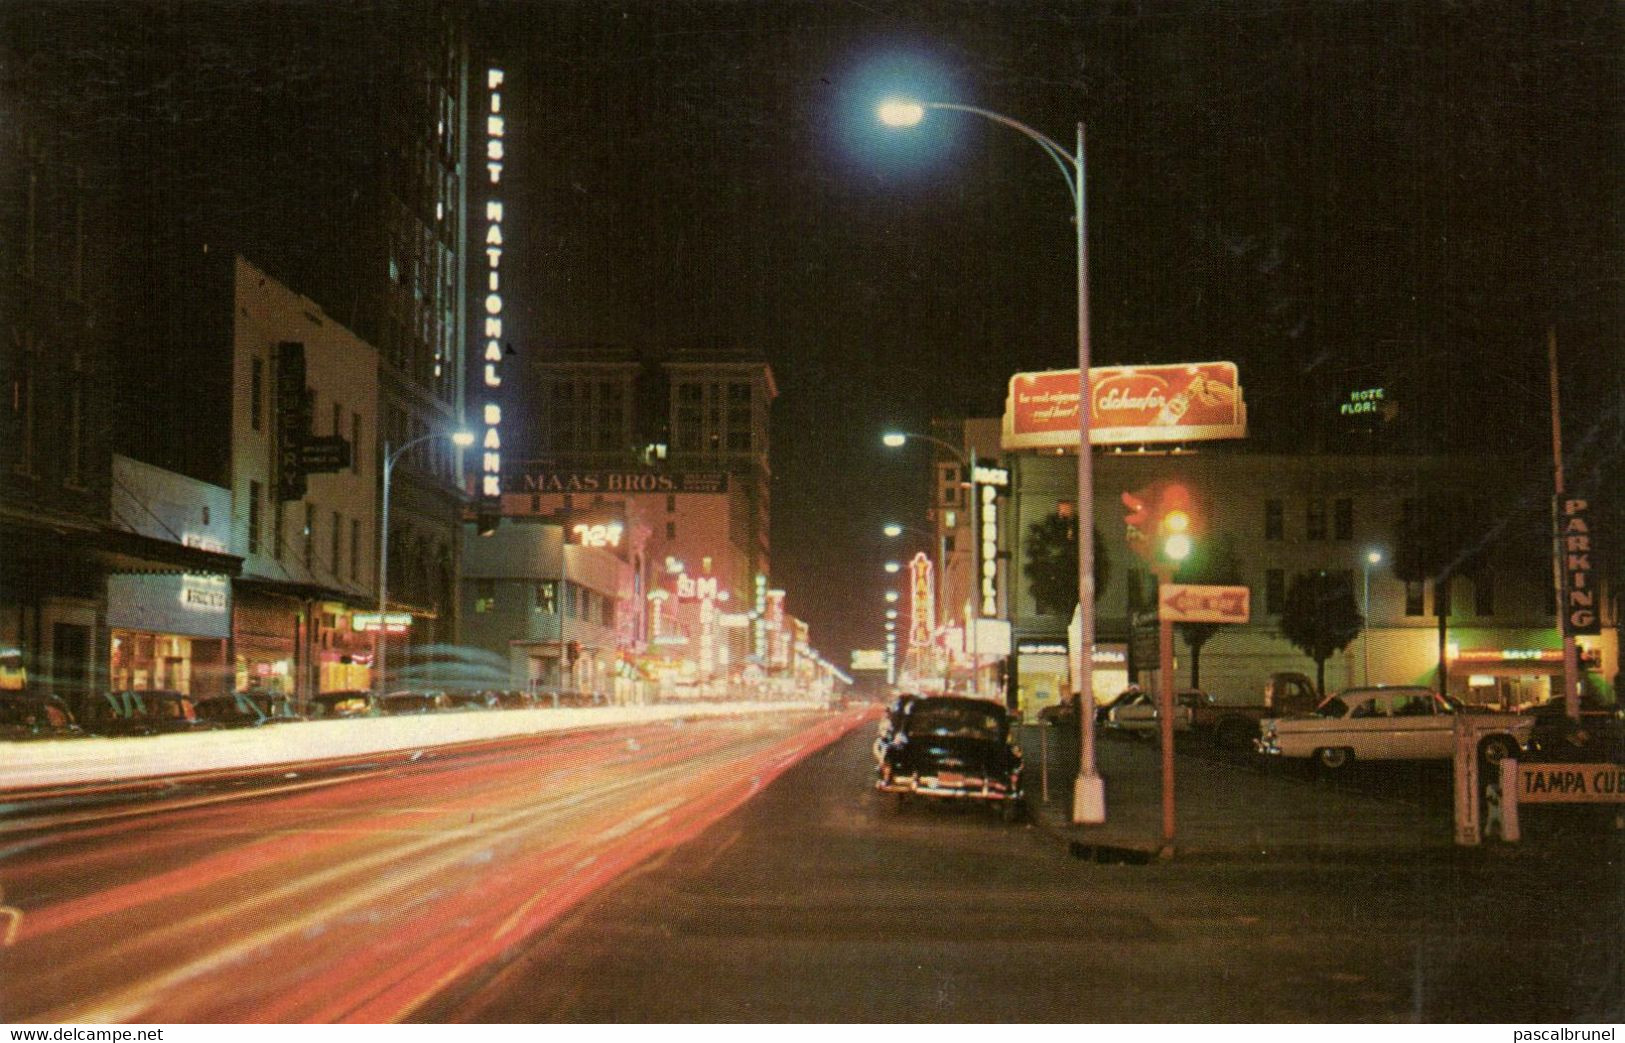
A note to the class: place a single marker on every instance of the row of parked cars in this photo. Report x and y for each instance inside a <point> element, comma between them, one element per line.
<point>1375,723</point>
<point>41,715</point>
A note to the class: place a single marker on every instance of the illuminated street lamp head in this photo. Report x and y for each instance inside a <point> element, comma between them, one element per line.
<point>893,439</point>
<point>463,439</point>
<point>1374,557</point>
<point>893,567</point>
<point>891,613</point>
<point>892,529</point>
<point>901,112</point>
<point>891,597</point>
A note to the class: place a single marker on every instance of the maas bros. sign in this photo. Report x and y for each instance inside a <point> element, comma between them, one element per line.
<point>1199,401</point>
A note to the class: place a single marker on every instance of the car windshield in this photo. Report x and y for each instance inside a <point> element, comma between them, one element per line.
<point>1333,707</point>
<point>955,721</point>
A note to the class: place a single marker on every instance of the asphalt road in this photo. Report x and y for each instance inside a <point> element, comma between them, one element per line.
<point>353,892</point>
<point>821,901</point>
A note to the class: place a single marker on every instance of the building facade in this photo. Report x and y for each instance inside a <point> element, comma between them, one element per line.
<point>551,615</point>
<point>310,561</point>
<point>1278,517</point>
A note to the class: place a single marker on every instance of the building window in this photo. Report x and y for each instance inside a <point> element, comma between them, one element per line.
<point>338,535</point>
<point>254,494</point>
<point>22,407</point>
<point>276,530</point>
<point>1343,518</point>
<point>338,420</point>
<point>1274,520</point>
<point>355,549</point>
<point>1315,519</point>
<point>256,393</point>
<point>671,530</point>
<point>355,443</point>
<point>485,595</point>
<point>74,460</point>
<point>1484,593</point>
<point>671,503</point>
<point>1274,591</point>
<point>547,600</point>
<point>1413,598</point>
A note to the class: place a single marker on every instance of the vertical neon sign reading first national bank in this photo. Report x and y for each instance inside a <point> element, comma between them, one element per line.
<point>491,367</point>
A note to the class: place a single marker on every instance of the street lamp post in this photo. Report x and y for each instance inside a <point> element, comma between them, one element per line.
<point>461,439</point>
<point>1373,557</point>
<point>1089,792</point>
<point>897,439</point>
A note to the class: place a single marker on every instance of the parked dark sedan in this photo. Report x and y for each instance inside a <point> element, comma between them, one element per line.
<point>143,712</point>
<point>34,715</point>
<point>955,748</point>
<point>242,710</point>
<point>404,703</point>
<point>1598,736</point>
<point>348,703</point>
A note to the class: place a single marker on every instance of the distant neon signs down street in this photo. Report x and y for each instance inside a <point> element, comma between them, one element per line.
<point>491,367</point>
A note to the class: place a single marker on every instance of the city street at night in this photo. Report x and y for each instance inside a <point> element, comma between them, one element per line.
<point>811,511</point>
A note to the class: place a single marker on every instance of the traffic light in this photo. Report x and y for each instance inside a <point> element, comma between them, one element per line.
<point>1175,522</point>
<point>1163,523</point>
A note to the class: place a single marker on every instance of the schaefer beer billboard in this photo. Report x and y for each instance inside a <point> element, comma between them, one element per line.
<point>1192,402</point>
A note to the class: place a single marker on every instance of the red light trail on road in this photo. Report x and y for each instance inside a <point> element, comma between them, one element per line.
<point>359,898</point>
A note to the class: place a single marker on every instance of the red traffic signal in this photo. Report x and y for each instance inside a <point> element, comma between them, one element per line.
<point>1162,522</point>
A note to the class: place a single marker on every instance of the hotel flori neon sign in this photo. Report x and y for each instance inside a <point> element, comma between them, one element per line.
<point>492,333</point>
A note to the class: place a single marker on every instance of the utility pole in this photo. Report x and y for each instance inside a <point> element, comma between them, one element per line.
<point>1571,655</point>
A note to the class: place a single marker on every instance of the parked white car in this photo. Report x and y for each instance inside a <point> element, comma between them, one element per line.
<point>1384,724</point>
<point>1138,715</point>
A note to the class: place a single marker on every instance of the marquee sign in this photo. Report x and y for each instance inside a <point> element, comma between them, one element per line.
<point>490,490</point>
<point>1199,401</point>
<point>989,555</point>
<point>922,602</point>
<point>535,478</point>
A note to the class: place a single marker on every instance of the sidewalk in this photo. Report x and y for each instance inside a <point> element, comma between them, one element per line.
<point>1222,809</point>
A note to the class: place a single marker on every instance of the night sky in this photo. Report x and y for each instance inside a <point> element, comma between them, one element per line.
<point>1333,196</point>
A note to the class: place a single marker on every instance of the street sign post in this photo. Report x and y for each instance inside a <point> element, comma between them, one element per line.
<point>1184,603</point>
<point>1189,603</point>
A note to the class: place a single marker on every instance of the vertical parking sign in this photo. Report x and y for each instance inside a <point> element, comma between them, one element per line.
<point>1576,542</point>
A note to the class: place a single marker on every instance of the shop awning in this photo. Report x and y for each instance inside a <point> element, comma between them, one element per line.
<point>130,552</point>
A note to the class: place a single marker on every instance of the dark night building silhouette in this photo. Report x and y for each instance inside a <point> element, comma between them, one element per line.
<point>146,146</point>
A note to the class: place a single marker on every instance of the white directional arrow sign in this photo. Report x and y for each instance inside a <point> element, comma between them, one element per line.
<point>1185,603</point>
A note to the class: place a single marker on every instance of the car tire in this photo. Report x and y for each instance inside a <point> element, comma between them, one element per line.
<point>1495,749</point>
<point>1333,758</point>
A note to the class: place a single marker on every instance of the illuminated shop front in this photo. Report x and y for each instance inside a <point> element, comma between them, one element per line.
<point>344,652</point>
<point>169,631</point>
<point>1043,674</point>
<point>1514,678</point>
